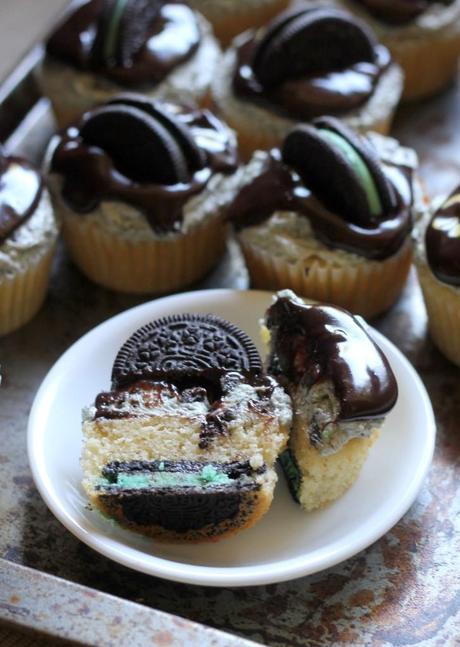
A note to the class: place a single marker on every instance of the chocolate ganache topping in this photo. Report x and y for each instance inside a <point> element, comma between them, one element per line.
<point>315,343</point>
<point>310,61</point>
<point>21,187</point>
<point>334,177</point>
<point>132,42</point>
<point>152,155</point>
<point>443,240</point>
<point>399,12</point>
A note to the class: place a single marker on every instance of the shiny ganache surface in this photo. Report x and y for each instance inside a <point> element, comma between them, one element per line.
<point>21,187</point>
<point>131,42</point>
<point>399,12</point>
<point>442,239</point>
<point>152,155</point>
<point>311,344</point>
<point>279,187</point>
<point>308,62</point>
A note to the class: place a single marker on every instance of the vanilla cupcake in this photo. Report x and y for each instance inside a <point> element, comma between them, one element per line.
<point>231,17</point>
<point>138,184</point>
<point>162,49</point>
<point>28,232</point>
<point>423,37</point>
<point>438,266</point>
<point>329,216</point>
<point>183,447</point>
<point>341,386</point>
<point>309,61</point>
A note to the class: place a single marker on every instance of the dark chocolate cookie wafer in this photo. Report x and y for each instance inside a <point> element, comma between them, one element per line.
<point>185,346</point>
<point>135,26</point>
<point>365,149</point>
<point>327,170</point>
<point>194,155</point>
<point>312,41</point>
<point>139,145</point>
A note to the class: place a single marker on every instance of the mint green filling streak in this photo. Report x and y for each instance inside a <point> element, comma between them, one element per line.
<point>136,481</point>
<point>113,29</point>
<point>359,166</point>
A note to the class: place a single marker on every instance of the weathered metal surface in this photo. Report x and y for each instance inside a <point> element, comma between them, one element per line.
<point>84,616</point>
<point>403,590</point>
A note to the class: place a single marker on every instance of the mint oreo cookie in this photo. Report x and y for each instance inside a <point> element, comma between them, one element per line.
<point>187,346</point>
<point>341,170</point>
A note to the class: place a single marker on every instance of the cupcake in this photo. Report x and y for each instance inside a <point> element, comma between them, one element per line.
<point>138,184</point>
<point>341,386</point>
<point>183,447</point>
<point>423,36</point>
<point>162,49</point>
<point>329,216</point>
<point>438,266</point>
<point>28,232</point>
<point>308,62</point>
<point>231,17</point>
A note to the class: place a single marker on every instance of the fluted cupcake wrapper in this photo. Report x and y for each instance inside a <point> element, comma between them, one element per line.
<point>367,288</point>
<point>443,307</point>
<point>151,266</point>
<point>22,295</point>
<point>429,64</point>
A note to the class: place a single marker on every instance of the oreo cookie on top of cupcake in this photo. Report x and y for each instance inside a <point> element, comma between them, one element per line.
<point>329,215</point>
<point>311,60</point>
<point>161,48</point>
<point>183,447</point>
<point>138,184</point>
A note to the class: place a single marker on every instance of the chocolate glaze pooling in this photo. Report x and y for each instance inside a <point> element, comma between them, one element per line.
<point>399,12</point>
<point>171,37</point>
<point>112,169</point>
<point>329,73</point>
<point>443,240</point>
<point>21,187</point>
<point>278,187</point>
<point>312,344</point>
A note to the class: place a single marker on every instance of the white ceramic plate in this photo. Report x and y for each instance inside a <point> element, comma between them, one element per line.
<point>287,543</point>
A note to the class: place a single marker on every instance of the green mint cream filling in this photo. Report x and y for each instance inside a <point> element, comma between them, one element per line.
<point>208,476</point>
<point>359,167</point>
<point>110,41</point>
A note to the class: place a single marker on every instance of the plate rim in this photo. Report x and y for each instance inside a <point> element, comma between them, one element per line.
<point>234,576</point>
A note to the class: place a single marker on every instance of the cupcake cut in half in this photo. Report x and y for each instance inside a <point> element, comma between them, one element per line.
<point>311,60</point>
<point>341,386</point>
<point>423,36</point>
<point>183,447</point>
<point>438,267</point>
<point>329,216</point>
<point>164,49</point>
<point>138,185</point>
<point>28,233</point>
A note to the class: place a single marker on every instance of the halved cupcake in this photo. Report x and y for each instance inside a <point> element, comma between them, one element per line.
<point>183,447</point>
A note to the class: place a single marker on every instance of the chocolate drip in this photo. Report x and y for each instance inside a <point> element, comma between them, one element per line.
<point>279,188</point>
<point>313,344</point>
<point>93,173</point>
<point>21,187</point>
<point>443,241</point>
<point>170,38</point>
<point>399,12</point>
<point>329,74</point>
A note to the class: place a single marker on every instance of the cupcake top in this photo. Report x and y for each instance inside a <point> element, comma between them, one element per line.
<point>400,12</point>
<point>132,42</point>
<point>191,365</point>
<point>309,61</point>
<point>357,192</point>
<point>152,155</point>
<point>27,223</point>
<point>442,239</point>
<point>312,344</point>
